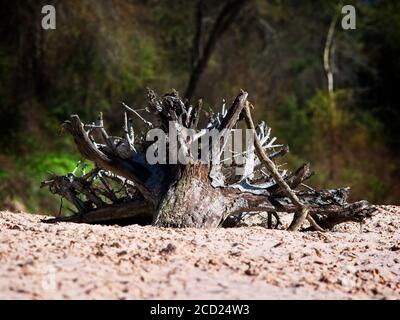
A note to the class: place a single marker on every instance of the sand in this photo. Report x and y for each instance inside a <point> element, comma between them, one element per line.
<point>78,261</point>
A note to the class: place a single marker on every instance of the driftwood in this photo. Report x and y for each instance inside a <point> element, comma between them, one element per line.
<point>125,187</point>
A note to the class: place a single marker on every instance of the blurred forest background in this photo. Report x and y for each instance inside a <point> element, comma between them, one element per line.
<point>107,51</point>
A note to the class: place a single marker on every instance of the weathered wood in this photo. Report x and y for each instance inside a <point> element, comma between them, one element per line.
<point>293,180</point>
<point>136,211</point>
<point>192,201</point>
<point>234,112</point>
<point>132,170</point>
<point>302,212</point>
<point>125,187</point>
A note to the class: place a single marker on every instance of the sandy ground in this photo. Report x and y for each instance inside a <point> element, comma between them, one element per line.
<point>77,261</point>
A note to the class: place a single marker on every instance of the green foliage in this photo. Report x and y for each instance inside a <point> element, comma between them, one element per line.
<point>26,173</point>
<point>40,165</point>
<point>357,134</point>
<point>293,124</point>
<point>175,27</point>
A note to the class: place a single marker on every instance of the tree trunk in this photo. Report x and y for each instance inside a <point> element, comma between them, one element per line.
<point>192,201</point>
<point>200,58</point>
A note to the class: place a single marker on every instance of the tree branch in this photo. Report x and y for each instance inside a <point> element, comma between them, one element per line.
<point>225,18</point>
<point>302,211</point>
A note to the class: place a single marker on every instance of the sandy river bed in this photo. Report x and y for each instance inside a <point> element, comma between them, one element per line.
<point>77,261</point>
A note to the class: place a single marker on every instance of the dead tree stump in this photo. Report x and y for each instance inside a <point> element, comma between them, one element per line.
<point>202,192</point>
